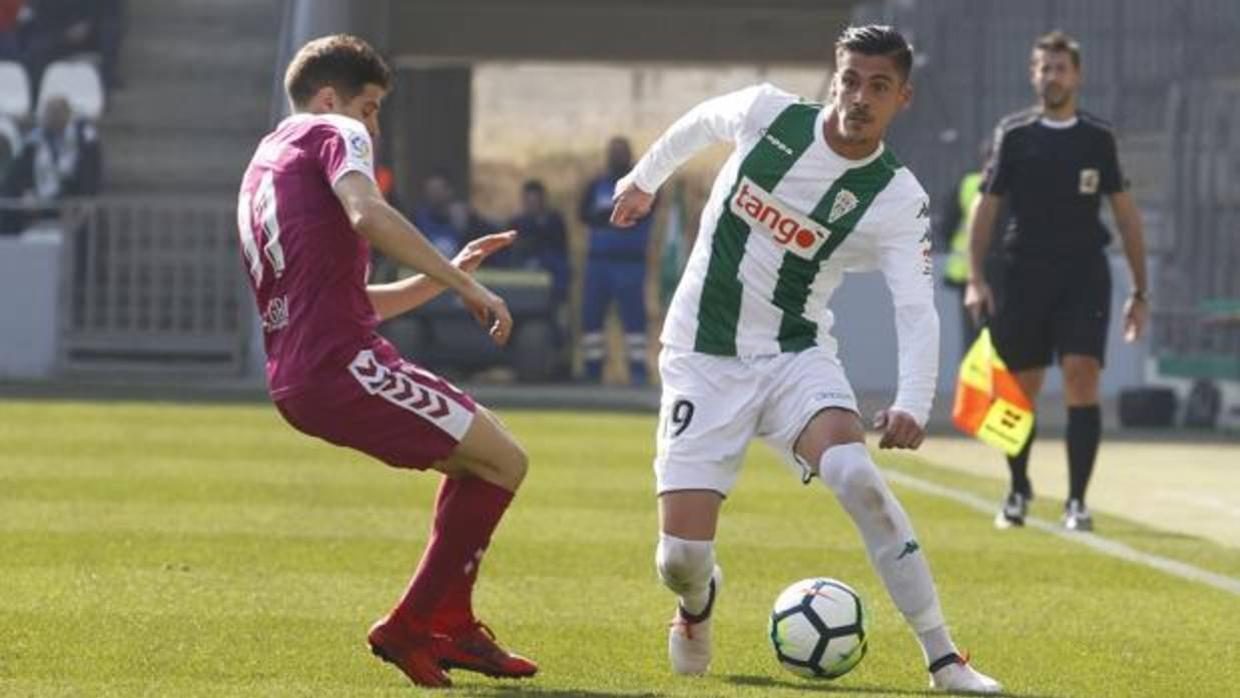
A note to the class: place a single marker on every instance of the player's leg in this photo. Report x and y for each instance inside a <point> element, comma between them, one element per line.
<point>707,415</point>
<point>595,299</point>
<point>1081,333</point>
<point>1023,335</point>
<point>480,478</point>
<point>813,421</point>
<point>631,297</point>
<point>685,560</point>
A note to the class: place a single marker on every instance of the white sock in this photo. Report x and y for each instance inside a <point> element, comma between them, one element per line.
<point>936,644</point>
<point>685,567</point>
<point>889,539</point>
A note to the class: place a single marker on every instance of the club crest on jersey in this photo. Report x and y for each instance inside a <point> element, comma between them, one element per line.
<point>360,146</point>
<point>844,203</point>
<point>784,225</point>
<point>1089,181</point>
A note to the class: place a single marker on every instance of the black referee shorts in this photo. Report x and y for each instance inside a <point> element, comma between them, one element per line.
<point>1045,309</point>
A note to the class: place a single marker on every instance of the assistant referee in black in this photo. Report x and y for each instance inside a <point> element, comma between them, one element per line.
<point>1054,164</point>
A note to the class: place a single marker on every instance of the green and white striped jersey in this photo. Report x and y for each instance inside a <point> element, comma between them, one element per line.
<point>786,218</point>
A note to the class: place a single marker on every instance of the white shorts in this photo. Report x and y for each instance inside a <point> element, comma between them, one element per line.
<point>712,406</point>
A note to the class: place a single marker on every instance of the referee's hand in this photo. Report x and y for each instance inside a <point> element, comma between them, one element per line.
<point>900,429</point>
<point>979,300</point>
<point>1136,317</point>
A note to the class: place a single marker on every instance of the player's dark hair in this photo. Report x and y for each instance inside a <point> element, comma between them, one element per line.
<point>878,40</point>
<point>1059,41</point>
<point>341,61</point>
<point>534,186</point>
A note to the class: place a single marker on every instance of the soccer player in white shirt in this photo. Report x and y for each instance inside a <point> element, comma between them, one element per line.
<point>809,192</point>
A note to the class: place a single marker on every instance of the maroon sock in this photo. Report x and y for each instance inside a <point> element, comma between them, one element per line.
<point>456,609</point>
<point>466,513</point>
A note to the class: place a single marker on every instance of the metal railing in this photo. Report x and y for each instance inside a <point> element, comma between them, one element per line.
<point>148,285</point>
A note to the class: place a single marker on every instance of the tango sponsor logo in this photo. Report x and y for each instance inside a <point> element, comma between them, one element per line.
<point>788,228</point>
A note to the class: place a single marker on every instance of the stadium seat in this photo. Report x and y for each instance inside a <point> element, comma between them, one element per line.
<point>14,90</point>
<point>77,81</point>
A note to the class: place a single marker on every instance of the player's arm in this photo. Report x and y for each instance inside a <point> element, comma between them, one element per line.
<point>373,218</point>
<point>398,297</point>
<point>1132,235</point>
<point>904,257</point>
<point>714,121</point>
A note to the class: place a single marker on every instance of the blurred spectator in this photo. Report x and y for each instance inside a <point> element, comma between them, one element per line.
<point>432,215</point>
<point>10,11</point>
<point>59,158</point>
<point>62,28</point>
<point>542,240</point>
<point>447,221</point>
<point>615,270</point>
<point>468,222</point>
<point>951,235</point>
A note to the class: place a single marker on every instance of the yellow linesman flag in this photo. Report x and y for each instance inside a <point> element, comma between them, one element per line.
<point>989,402</point>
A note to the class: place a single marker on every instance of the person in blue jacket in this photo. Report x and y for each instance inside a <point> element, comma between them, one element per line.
<point>615,270</point>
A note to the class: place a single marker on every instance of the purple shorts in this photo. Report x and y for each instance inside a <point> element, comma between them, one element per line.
<point>385,407</point>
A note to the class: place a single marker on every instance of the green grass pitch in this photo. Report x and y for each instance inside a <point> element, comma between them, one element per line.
<point>171,550</point>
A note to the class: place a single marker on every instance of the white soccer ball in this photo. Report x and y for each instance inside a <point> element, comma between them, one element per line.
<point>818,628</point>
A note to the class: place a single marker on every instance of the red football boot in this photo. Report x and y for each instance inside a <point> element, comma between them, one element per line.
<point>416,654</point>
<point>473,648</point>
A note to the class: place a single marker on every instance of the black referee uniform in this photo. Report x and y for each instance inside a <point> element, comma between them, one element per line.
<point>1053,294</point>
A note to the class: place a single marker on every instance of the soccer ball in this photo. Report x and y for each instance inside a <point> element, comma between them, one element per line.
<point>818,628</point>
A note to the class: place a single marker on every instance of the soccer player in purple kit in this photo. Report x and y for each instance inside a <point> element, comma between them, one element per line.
<point>308,211</point>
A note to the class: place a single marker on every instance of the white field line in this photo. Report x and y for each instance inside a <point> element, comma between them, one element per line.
<point>1094,541</point>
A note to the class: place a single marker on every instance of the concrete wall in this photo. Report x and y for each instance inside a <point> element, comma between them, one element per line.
<point>29,288</point>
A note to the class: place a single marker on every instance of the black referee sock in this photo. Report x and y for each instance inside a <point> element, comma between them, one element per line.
<point>1018,466</point>
<point>1084,433</point>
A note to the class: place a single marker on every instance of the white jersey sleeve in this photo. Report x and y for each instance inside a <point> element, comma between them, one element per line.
<point>347,148</point>
<point>904,258</point>
<point>717,120</point>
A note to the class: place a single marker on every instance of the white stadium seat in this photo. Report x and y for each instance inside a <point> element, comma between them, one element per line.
<point>77,81</point>
<point>14,90</point>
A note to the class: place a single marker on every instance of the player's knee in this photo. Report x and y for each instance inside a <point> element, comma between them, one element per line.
<point>510,465</point>
<point>848,470</point>
<point>519,463</point>
<point>684,565</point>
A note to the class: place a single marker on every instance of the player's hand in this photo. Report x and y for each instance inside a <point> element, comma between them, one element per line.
<point>632,204</point>
<point>1136,317</point>
<point>490,311</point>
<point>476,251</point>
<point>899,429</point>
<point>979,300</point>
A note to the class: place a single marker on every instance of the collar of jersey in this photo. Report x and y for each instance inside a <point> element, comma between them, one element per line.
<point>821,140</point>
<point>1052,123</point>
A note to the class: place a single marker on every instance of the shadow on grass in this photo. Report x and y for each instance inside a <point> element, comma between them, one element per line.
<point>831,688</point>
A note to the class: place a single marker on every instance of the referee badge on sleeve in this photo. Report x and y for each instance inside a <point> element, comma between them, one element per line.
<point>1089,181</point>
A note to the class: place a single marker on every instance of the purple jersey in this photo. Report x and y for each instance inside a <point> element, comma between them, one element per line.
<point>306,264</point>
